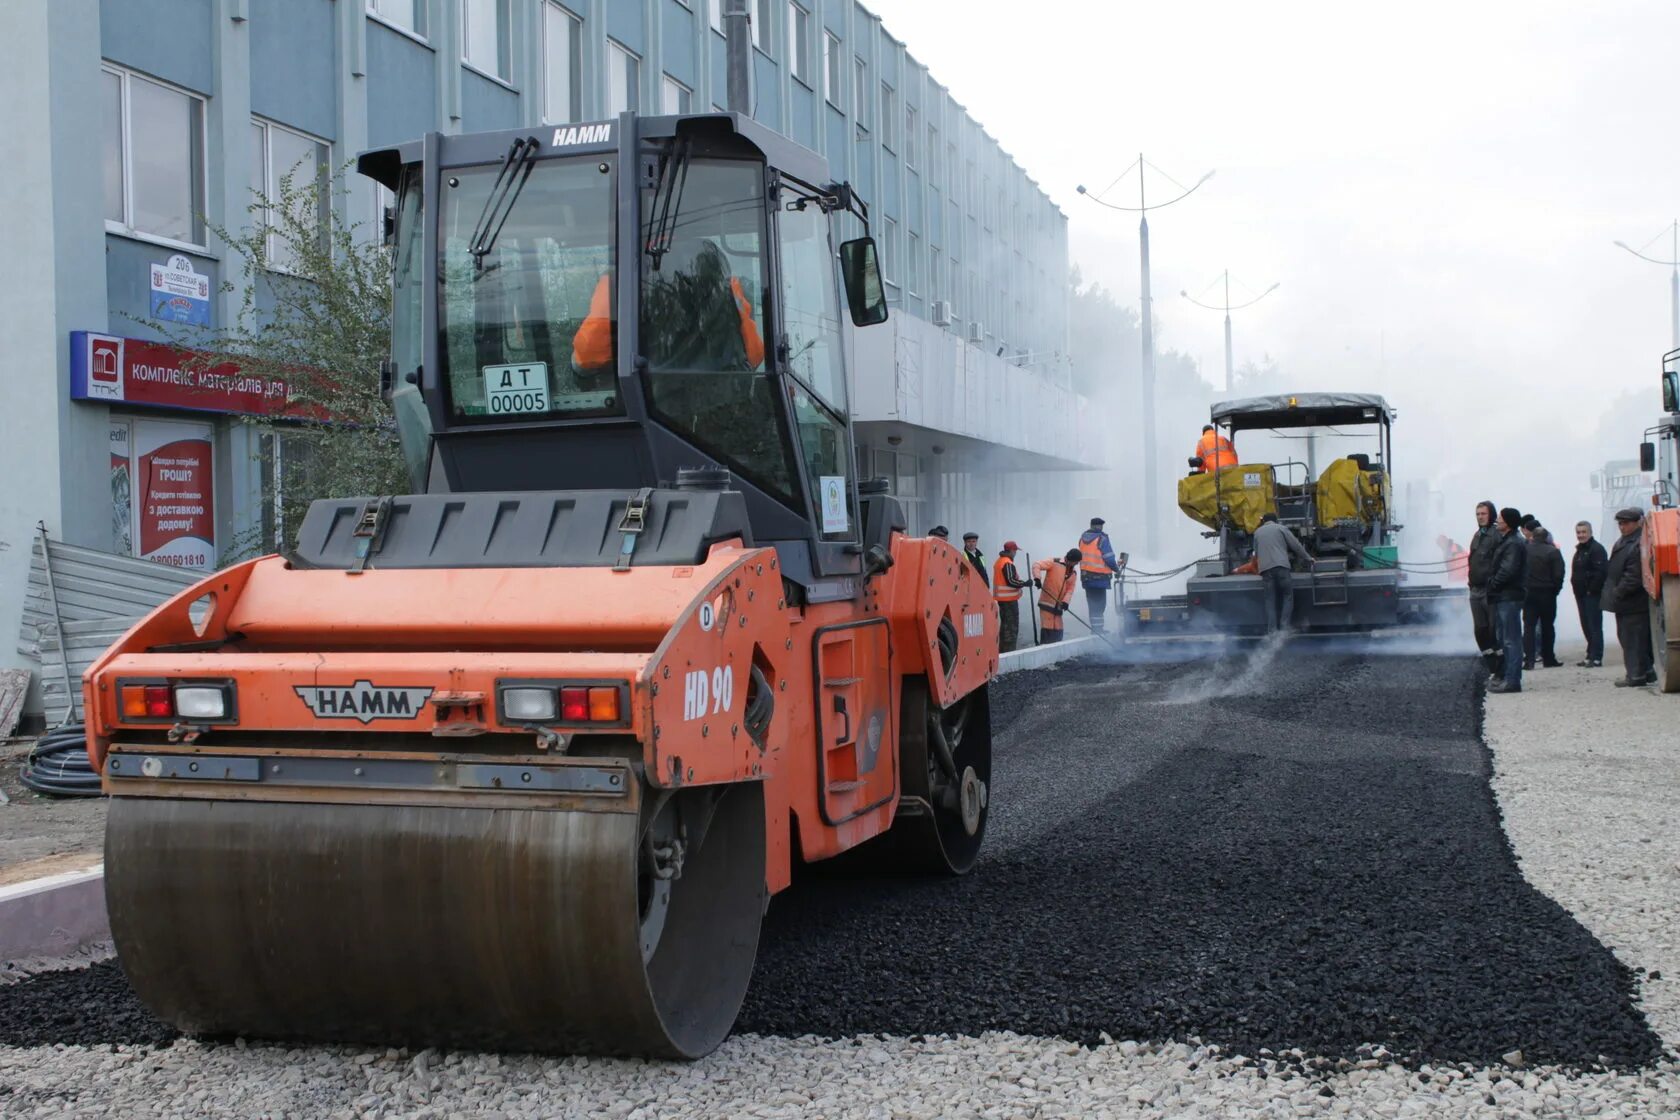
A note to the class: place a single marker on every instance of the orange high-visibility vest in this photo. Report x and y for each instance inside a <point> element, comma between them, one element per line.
<point>1091,557</point>
<point>749,329</point>
<point>592,346</point>
<point>1216,452</point>
<point>1002,590</point>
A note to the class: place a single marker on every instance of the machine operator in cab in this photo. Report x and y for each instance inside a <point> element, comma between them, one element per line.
<point>710,299</point>
<point>1214,452</point>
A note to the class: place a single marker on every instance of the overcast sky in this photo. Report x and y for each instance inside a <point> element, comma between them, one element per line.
<point>1436,186</point>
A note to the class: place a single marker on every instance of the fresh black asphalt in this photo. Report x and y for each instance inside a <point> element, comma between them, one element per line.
<point>1263,849</point>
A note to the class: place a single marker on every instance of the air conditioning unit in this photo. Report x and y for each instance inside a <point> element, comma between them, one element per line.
<point>976,331</point>
<point>941,313</point>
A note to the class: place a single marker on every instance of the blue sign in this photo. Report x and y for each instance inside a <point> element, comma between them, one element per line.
<point>180,294</point>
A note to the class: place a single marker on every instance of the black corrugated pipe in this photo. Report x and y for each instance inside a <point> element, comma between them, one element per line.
<point>57,765</point>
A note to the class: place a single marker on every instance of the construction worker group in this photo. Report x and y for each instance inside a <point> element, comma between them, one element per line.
<point>1092,565</point>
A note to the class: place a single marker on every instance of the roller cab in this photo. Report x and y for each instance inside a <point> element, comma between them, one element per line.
<point>516,760</point>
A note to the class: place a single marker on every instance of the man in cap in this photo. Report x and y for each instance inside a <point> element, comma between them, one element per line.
<point>1097,568</point>
<point>971,549</point>
<point>1624,596</point>
<point>1006,589</point>
<point>1507,588</point>
<point>940,532</point>
<point>1056,578</point>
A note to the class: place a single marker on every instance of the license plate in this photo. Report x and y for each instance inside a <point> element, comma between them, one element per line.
<point>1143,614</point>
<point>517,389</point>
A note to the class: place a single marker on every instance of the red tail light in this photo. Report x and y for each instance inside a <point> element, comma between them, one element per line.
<point>574,705</point>
<point>159,703</point>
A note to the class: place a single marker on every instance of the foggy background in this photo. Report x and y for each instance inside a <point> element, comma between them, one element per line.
<point>1436,187</point>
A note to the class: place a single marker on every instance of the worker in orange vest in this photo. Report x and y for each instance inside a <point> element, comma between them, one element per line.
<point>1056,581</point>
<point>1006,589</point>
<point>1213,452</point>
<point>704,345</point>
<point>1097,568</point>
<point>1457,560</point>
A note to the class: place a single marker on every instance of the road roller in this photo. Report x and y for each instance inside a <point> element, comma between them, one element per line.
<point>517,760</point>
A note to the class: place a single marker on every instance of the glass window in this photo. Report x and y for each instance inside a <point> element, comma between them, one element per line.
<point>484,35</point>
<point>703,317</point>
<point>889,251</point>
<point>714,13</point>
<point>912,264</point>
<point>761,24</point>
<point>799,42</point>
<point>562,65</point>
<point>889,117</point>
<point>624,80</point>
<point>824,447</point>
<point>909,136</point>
<point>410,15</point>
<point>860,90</point>
<point>811,303</point>
<point>675,97</point>
<point>154,159</point>
<point>529,321</point>
<point>936,262</point>
<point>287,162</point>
<point>834,69</point>
<point>414,422</point>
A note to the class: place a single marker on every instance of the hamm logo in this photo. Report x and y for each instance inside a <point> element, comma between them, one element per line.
<point>364,701</point>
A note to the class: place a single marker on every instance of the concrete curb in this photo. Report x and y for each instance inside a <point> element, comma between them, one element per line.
<point>1037,657</point>
<point>54,916</point>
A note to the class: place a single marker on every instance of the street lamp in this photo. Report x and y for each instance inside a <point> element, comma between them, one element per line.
<point>1228,307</point>
<point>1673,279</point>
<point>1151,492</point>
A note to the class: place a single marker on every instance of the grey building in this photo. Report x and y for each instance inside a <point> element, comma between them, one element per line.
<point>135,126</point>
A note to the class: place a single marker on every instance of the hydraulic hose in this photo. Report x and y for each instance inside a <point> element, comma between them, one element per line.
<point>57,765</point>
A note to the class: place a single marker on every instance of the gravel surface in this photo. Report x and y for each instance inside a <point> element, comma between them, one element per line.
<point>1177,857</point>
<point>44,835</point>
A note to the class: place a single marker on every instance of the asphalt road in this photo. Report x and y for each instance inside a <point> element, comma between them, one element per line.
<point>1277,849</point>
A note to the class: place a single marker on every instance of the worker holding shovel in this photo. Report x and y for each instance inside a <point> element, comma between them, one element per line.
<point>1056,580</point>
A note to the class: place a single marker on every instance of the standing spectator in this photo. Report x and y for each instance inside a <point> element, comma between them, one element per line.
<point>1586,579</point>
<point>1057,580</point>
<point>1097,569</point>
<point>941,532</point>
<point>1507,587</point>
<point>1545,581</point>
<point>1006,589</point>
<point>971,549</point>
<point>1272,546</point>
<point>1624,596</point>
<point>1482,547</point>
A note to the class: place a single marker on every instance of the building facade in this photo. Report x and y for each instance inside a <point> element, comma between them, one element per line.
<point>140,126</point>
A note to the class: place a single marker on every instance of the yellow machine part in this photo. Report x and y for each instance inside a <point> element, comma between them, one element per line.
<point>1346,493</point>
<point>1246,492</point>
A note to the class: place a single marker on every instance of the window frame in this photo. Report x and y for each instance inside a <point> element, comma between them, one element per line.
<point>833,93</point>
<point>574,63</point>
<point>912,271</point>
<point>763,25</point>
<point>798,58</point>
<point>271,181</point>
<point>666,84</point>
<point>912,121</point>
<point>860,93</point>
<point>504,41</point>
<point>889,253</point>
<point>201,189</point>
<point>634,87</point>
<point>889,117</point>
<point>419,32</point>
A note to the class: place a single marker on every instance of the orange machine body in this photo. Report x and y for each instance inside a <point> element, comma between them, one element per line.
<point>409,663</point>
<point>1659,546</point>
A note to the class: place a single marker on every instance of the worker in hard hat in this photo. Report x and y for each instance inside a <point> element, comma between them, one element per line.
<point>1055,580</point>
<point>1006,589</point>
<point>971,549</point>
<point>1214,452</point>
<point>1097,568</point>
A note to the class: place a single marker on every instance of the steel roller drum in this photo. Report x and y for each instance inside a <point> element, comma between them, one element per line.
<point>504,928</point>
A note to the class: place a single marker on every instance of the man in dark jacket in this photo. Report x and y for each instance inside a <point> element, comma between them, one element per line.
<point>1586,579</point>
<point>1507,587</point>
<point>1480,563</point>
<point>1545,580</point>
<point>971,549</point>
<point>1624,596</point>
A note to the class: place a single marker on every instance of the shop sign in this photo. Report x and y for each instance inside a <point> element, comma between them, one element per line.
<point>180,294</point>
<point>132,371</point>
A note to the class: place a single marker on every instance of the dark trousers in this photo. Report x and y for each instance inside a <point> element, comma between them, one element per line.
<point>1508,620</point>
<point>1592,623</point>
<point>1540,627</point>
<point>1048,630</point>
<point>1633,631</point>
<point>1096,600</point>
<point>1280,598</point>
<point>1482,621</point>
<point>1009,624</point>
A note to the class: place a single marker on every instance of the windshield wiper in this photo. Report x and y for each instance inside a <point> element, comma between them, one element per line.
<point>667,201</point>
<point>510,180</point>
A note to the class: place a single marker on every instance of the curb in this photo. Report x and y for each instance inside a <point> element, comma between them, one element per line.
<point>1036,657</point>
<point>53,916</point>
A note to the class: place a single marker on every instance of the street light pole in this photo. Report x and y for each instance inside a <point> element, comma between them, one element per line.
<point>1227,306</point>
<point>1673,278</point>
<point>1151,488</point>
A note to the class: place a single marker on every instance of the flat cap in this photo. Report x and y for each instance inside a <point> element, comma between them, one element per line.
<point>1629,514</point>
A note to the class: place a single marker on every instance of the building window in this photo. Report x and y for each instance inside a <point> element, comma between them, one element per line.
<point>624,79</point>
<point>912,264</point>
<point>799,43</point>
<point>286,162</point>
<point>410,15</point>
<point>889,252</point>
<point>761,23</point>
<point>860,90</point>
<point>936,286</point>
<point>154,158</point>
<point>910,123</point>
<point>675,98</point>
<point>834,69</point>
<point>933,157</point>
<point>714,15</point>
<point>562,65</point>
<point>889,117</point>
<point>484,36</point>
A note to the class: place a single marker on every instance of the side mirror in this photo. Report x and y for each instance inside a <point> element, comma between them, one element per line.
<point>1647,456</point>
<point>1671,391</point>
<point>861,271</point>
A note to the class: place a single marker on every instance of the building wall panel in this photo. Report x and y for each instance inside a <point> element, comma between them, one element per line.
<point>169,39</point>
<point>294,66</point>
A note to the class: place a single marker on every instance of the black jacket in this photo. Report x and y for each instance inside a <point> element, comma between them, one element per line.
<point>978,559</point>
<point>1624,582</point>
<point>1586,570</point>
<point>1482,547</point>
<point>1545,566</point>
<point>1508,570</point>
